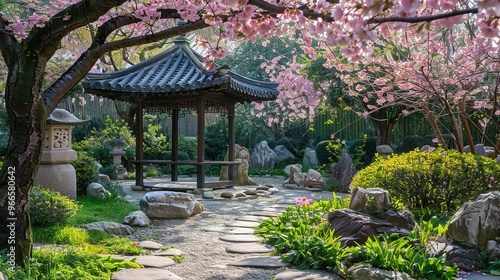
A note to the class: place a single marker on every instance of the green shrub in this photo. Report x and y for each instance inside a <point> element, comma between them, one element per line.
<point>156,144</point>
<point>86,172</point>
<point>328,151</point>
<point>362,151</point>
<point>102,154</point>
<point>188,146</point>
<point>151,171</point>
<point>413,142</point>
<point>48,207</point>
<point>439,181</point>
<point>110,170</point>
<point>216,139</point>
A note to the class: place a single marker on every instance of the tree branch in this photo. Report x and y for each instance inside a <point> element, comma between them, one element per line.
<point>423,18</point>
<point>8,42</point>
<point>86,61</point>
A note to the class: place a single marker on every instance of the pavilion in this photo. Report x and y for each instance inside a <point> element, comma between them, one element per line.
<point>175,82</point>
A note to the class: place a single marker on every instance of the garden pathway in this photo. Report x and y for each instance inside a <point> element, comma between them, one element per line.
<point>219,244</point>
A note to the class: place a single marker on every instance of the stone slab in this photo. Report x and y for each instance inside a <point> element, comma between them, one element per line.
<point>249,248</point>
<point>273,209</point>
<point>169,252</point>
<point>151,261</point>
<point>251,218</point>
<point>151,245</point>
<point>240,238</point>
<point>260,262</point>
<point>231,230</point>
<point>144,273</point>
<point>265,213</point>
<point>243,224</point>
<point>295,274</point>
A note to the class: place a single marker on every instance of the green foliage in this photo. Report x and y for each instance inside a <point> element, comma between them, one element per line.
<point>99,137</point>
<point>216,140</point>
<point>95,210</point>
<point>67,235</point>
<point>81,132</point>
<point>396,253</point>
<point>102,154</point>
<point>86,172</point>
<point>48,207</point>
<point>439,181</point>
<point>494,268</point>
<point>303,236</point>
<point>151,171</point>
<point>362,151</point>
<point>328,151</point>
<point>110,170</point>
<point>413,142</point>
<point>115,189</point>
<point>156,144</point>
<point>189,146</point>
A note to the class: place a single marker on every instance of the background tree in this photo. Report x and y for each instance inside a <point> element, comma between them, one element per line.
<point>33,32</point>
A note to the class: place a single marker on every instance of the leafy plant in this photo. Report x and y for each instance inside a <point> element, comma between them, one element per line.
<point>156,144</point>
<point>438,181</point>
<point>494,268</point>
<point>110,170</point>
<point>362,151</point>
<point>48,207</point>
<point>329,151</point>
<point>86,172</point>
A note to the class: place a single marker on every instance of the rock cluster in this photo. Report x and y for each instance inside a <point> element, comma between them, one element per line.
<point>170,205</point>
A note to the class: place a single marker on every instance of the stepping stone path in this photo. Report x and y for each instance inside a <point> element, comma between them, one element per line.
<point>238,238</point>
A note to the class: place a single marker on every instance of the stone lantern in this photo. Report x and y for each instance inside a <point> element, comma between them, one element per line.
<point>117,154</point>
<point>55,171</point>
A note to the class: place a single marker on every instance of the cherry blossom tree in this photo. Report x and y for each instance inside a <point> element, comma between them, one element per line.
<point>33,33</point>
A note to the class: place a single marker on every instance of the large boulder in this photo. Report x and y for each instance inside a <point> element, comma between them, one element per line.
<point>283,154</point>
<point>342,172</point>
<point>366,272</point>
<point>384,150</point>
<point>98,191</point>
<point>240,175</point>
<point>463,258</point>
<point>296,176</point>
<point>137,218</point>
<point>355,227</point>
<point>310,158</point>
<point>477,222</point>
<point>314,179</point>
<point>370,200</point>
<point>109,227</point>
<point>168,205</point>
<point>262,156</point>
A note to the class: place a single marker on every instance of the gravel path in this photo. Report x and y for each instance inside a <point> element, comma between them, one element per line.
<point>206,257</point>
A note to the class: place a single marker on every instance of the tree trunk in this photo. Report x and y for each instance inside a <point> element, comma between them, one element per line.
<point>26,114</point>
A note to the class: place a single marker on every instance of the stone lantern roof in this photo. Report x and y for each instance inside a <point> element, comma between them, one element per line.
<point>63,117</point>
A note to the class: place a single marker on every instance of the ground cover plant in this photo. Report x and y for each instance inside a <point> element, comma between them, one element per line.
<point>433,182</point>
<point>302,236</point>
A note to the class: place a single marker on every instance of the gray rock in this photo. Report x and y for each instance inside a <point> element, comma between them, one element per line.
<point>151,261</point>
<point>109,227</point>
<point>98,191</point>
<point>230,230</point>
<point>262,188</point>
<point>355,227</point>
<point>208,195</point>
<point>463,258</point>
<point>241,238</point>
<point>314,178</point>
<point>243,224</point>
<point>480,149</point>
<point>296,274</point>
<point>371,200</point>
<point>384,151</point>
<point>262,157</point>
<point>493,249</point>
<point>310,158</point>
<point>137,218</point>
<point>240,174</point>
<point>365,272</point>
<point>137,188</point>
<point>240,195</point>
<point>425,148</point>
<point>169,252</point>
<point>249,248</point>
<point>3,277</point>
<point>168,205</point>
<point>288,167</point>
<point>343,172</point>
<point>283,154</point>
<point>198,208</point>
<point>477,222</point>
<point>226,195</point>
<point>145,273</point>
<point>150,245</point>
<point>296,176</point>
<point>260,262</point>
<point>104,178</point>
<point>250,192</point>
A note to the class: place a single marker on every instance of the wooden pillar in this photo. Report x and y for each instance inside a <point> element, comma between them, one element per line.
<point>231,142</point>
<point>200,108</point>
<point>139,137</point>
<point>175,145</point>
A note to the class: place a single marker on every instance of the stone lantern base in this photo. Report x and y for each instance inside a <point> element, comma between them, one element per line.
<point>58,177</point>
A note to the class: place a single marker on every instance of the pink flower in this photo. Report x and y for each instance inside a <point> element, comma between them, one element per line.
<point>492,178</point>
<point>301,200</point>
<point>489,186</point>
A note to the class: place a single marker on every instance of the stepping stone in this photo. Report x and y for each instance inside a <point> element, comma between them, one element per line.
<point>265,213</point>
<point>151,261</point>
<point>243,224</point>
<point>260,262</point>
<point>249,248</point>
<point>231,230</point>
<point>295,274</point>
<point>251,218</point>
<point>144,273</point>
<point>150,245</point>
<point>169,252</point>
<point>273,209</point>
<point>239,238</point>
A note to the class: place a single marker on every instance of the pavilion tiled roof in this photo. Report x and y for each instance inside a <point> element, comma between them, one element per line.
<point>177,71</point>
